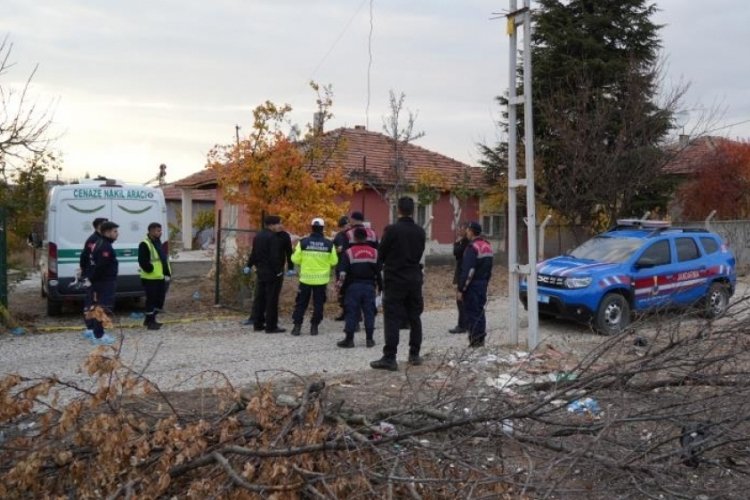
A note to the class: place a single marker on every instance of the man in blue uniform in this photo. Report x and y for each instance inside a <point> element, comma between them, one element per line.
<point>476,271</point>
<point>103,276</point>
<point>82,276</point>
<point>360,276</point>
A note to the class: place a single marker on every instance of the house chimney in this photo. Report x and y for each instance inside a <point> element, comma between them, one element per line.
<point>359,127</point>
<point>684,140</point>
<point>318,121</point>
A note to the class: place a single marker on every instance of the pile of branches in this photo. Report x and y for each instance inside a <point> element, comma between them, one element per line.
<point>670,420</point>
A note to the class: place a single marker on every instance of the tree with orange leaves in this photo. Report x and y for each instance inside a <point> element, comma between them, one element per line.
<point>722,184</point>
<point>270,171</point>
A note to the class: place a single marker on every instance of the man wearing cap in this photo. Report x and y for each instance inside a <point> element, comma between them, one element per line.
<point>82,275</point>
<point>340,241</point>
<point>361,274</point>
<point>400,254</point>
<point>103,271</point>
<point>315,255</point>
<point>476,271</point>
<point>268,258</point>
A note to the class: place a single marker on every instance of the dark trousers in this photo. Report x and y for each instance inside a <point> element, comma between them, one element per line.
<point>103,295</point>
<point>461,314</point>
<point>402,302</point>
<point>88,301</point>
<point>156,291</point>
<point>318,293</point>
<point>266,302</point>
<point>475,297</point>
<point>359,301</point>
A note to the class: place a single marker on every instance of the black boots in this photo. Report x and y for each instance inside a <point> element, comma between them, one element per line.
<point>385,363</point>
<point>297,330</point>
<point>150,322</point>
<point>346,343</point>
<point>313,329</point>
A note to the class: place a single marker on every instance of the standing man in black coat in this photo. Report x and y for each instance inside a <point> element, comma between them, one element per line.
<point>268,258</point>
<point>155,273</point>
<point>400,254</point>
<point>459,246</point>
<point>340,242</point>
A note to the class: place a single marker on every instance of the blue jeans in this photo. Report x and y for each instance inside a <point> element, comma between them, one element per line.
<point>360,297</point>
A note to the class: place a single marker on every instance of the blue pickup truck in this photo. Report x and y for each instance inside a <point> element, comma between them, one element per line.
<point>636,266</point>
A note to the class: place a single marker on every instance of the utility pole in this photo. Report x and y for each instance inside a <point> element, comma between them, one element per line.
<point>521,18</point>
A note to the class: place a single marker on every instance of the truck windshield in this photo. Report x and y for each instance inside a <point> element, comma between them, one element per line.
<point>607,249</point>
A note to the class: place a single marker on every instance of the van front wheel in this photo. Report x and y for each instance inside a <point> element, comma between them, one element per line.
<point>54,307</point>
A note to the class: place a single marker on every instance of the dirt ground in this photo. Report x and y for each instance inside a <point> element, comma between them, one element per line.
<point>194,297</point>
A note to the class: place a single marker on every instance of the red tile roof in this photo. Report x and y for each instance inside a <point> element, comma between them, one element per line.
<point>172,192</point>
<point>200,179</point>
<point>377,148</point>
<point>688,157</point>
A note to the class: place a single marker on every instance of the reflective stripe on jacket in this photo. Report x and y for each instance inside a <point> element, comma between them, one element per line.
<point>315,256</point>
<point>157,273</point>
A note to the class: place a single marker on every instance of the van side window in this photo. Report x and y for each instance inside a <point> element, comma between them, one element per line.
<point>657,254</point>
<point>709,245</point>
<point>686,249</point>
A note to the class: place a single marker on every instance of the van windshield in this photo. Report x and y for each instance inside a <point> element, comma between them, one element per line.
<point>607,249</point>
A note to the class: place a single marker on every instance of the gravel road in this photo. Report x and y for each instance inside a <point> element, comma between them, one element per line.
<point>181,350</point>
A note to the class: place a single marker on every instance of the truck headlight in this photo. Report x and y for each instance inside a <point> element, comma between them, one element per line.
<point>577,282</point>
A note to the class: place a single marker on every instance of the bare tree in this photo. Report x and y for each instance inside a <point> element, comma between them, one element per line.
<point>24,127</point>
<point>400,139</point>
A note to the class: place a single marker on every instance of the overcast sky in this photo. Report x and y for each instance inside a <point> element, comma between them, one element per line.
<point>138,83</point>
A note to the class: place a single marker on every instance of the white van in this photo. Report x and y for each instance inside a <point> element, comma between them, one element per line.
<point>71,209</point>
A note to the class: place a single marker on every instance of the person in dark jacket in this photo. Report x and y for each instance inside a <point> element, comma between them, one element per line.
<point>459,247</point>
<point>357,220</point>
<point>400,253</point>
<point>360,276</point>
<point>155,273</point>
<point>476,271</point>
<point>340,241</point>
<point>268,258</point>
<point>103,275</point>
<point>82,276</point>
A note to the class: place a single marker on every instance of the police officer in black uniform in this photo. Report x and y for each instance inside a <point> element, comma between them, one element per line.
<point>400,254</point>
<point>360,275</point>
<point>268,258</point>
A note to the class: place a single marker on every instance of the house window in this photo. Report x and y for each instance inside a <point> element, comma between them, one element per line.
<point>421,214</point>
<point>493,225</point>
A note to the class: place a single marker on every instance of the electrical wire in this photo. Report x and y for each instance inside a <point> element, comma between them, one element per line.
<point>338,39</point>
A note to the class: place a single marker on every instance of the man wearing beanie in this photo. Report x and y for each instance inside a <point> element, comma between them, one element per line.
<point>316,256</point>
<point>268,258</point>
<point>476,271</point>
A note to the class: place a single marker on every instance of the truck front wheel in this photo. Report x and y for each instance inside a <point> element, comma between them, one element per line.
<point>613,315</point>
